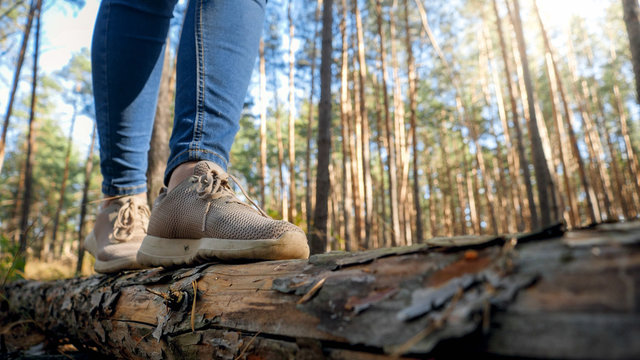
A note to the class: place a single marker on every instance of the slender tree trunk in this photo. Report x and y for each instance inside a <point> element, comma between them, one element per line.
<point>449,208</point>
<point>632,159</point>
<point>88,168</point>
<point>631,12</point>
<point>382,144</point>
<point>356,155</point>
<point>347,160</point>
<point>433,198</point>
<point>16,78</point>
<point>292,132</point>
<point>283,194</point>
<point>31,142</point>
<point>593,199</point>
<point>399,125</point>
<point>159,145</point>
<point>411,68</point>
<point>392,173</point>
<point>323,184</point>
<point>263,126</point>
<point>505,190</point>
<point>595,144</point>
<point>573,213</point>
<point>308,186</point>
<point>543,178</point>
<point>471,193</point>
<point>520,160</point>
<point>366,150</point>
<point>49,250</point>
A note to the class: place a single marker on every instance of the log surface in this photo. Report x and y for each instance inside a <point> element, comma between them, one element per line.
<point>545,295</point>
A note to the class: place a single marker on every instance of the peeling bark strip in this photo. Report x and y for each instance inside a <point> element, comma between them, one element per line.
<point>538,295</point>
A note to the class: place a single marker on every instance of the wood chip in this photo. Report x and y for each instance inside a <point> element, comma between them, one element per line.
<point>194,283</point>
<point>312,292</point>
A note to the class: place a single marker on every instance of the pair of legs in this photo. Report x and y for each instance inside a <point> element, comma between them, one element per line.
<point>197,217</point>
<point>216,55</point>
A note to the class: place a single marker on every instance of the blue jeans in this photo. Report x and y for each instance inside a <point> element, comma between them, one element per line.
<point>216,55</point>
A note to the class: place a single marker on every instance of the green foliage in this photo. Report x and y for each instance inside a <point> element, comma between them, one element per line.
<point>11,265</point>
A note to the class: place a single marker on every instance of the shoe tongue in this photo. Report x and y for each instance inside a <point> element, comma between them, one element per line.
<point>204,167</point>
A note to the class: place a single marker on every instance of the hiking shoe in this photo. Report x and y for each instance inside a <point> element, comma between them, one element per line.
<point>201,219</point>
<point>117,234</point>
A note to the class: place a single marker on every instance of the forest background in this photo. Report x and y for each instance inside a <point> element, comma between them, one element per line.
<point>439,118</point>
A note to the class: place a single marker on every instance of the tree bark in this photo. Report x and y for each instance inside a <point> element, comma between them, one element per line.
<point>631,12</point>
<point>292,127</point>
<point>323,185</point>
<point>308,186</point>
<point>347,160</point>
<point>391,145</point>
<point>159,144</point>
<point>543,178</point>
<point>366,150</point>
<point>411,68</point>
<point>263,126</point>
<point>16,78</point>
<point>88,168</point>
<point>521,160</point>
<point>31,143</point>
<point>399,128</point>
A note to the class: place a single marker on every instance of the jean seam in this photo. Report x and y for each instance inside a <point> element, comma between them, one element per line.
<point>191,155</point>
<point>194,146</point>
<point>119,190</point>
<point>106,91</point>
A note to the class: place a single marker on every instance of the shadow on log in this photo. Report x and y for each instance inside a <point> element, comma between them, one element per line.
<point>544,295</point>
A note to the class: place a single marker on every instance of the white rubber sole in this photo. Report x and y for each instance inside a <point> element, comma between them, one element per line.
<point>157,251</point>
<point>128,262</point>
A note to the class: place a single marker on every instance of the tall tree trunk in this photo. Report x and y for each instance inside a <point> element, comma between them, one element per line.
<point>366,150</point>
<point>49,249</point>
<point>569,120</point>
<point>631,12</point>
<point>593,199</point>
<point>263,126</point>
<point>632,159</point>
<point>543,178</point>
<point>505,191</point>
<point>159,145</point>
<point>292,128</point>
<point>31,142</point>
<point>382,144</point>
<point>595,144</point>
<point>574,215</point>
<point>308,210</point>
<point>284,209</point>
<point>447,187</point>
<point>520,160</point>
<point>433,198</point>
<point>411,68</point>
<point>356,155</point>
<point>399,126</point>
<point>88,168</point>
<point>347,159</point>
<point>323,184</point>
<point>391,145</point>
<point>16,78</point>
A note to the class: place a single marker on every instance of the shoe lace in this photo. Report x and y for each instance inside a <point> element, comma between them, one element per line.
<point>126,220</point>
<point>213,185</point>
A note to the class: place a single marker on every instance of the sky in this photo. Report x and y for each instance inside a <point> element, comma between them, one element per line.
<point>67,31</point>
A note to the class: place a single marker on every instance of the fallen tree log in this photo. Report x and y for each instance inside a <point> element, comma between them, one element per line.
<point>544,295</point>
